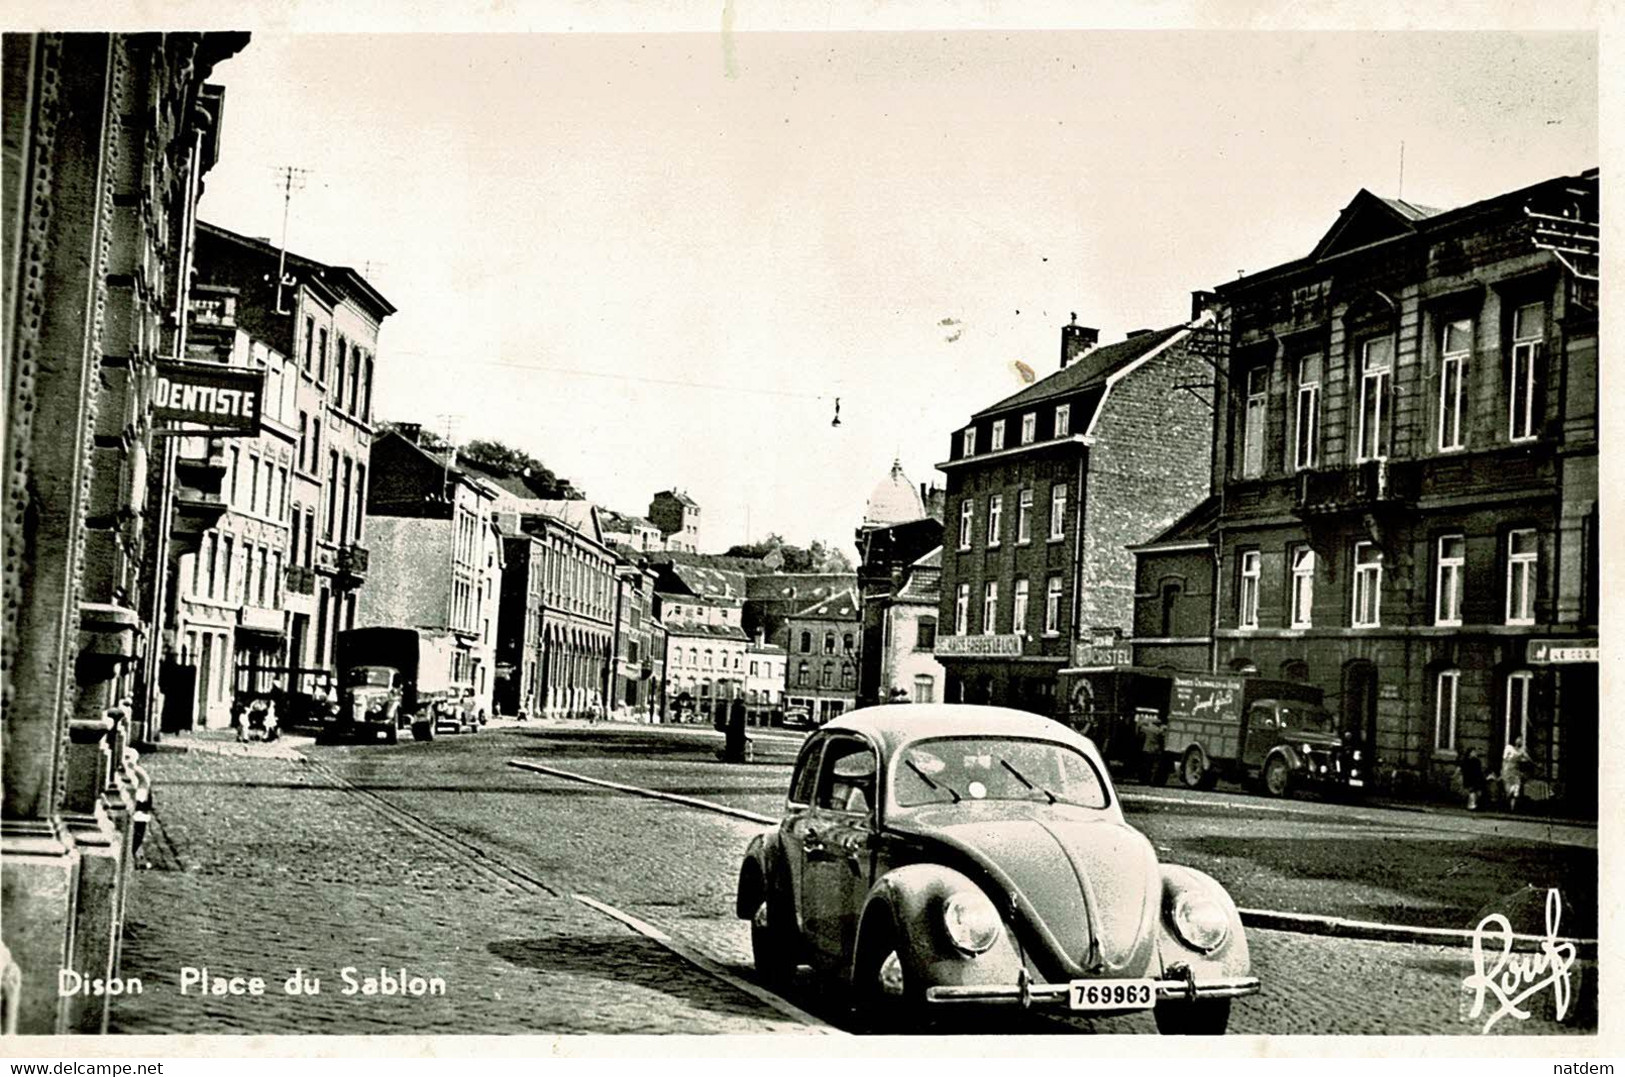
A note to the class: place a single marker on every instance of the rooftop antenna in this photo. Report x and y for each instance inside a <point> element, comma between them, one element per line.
<point>292,179</point>
<point>837,420</point>
<point>1401,194</point>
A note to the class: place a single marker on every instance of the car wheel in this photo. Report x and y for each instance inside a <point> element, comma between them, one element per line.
<point>1206,1017</point>
<point>1193,768</point>
<point>770,948</point>
<point>1277,777</point>
<point>885,1002</point>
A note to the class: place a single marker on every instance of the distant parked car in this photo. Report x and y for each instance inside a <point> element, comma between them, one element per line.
<point>933,857</point>
<point>798,718</point>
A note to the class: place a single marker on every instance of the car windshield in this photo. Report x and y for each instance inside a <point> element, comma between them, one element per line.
<point>369,676</point>
<point>1307,720</point>
<point>962,769</point>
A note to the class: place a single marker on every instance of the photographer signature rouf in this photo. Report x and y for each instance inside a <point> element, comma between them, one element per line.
<point>1514,978</point>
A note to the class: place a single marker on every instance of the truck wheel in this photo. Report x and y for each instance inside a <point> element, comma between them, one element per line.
<point>1193,769</point>
<point>1277,777</point>
<point>423,730</point>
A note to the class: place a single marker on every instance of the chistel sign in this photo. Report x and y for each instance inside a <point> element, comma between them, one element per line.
<point>207,399</point>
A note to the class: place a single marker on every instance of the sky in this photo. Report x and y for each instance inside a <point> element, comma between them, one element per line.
<point>657,261</point>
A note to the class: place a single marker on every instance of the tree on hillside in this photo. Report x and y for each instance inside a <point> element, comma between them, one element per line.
<point>507,460</point>
<point>815,558</point>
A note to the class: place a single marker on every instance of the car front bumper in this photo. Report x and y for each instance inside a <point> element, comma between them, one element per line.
<point>1026,993</point>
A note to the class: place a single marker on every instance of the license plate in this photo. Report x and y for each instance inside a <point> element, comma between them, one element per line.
<point>1356,782</point>
<point>1113,995</point>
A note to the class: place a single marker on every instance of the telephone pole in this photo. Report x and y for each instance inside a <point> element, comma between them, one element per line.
<point>293,179</point>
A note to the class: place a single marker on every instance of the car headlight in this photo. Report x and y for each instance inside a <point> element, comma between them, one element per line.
<point>1200,922</point>
<point>1356,755</point>
<point>973,923</point>
<point>1307,749</point>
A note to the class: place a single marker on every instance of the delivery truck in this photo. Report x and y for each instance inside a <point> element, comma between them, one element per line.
<point>395,679</point>
<point>1276,735</point>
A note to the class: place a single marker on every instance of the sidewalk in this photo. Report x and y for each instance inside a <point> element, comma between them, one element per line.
<point>225,742</point>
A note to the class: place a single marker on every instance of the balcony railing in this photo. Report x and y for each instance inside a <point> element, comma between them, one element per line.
<point>1365,486</point>
<point>301,580</point>
<point>351,559</point>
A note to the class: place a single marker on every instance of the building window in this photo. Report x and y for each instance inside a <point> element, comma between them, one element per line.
<point>1528,335</point>
<point>236,460</point>
<point>996,442</point>
<point>340,354</point>
<point>366,391</point>
<point>1024,517</point>
<point>1247,591</point>
<point>990,607</point>
<point>846,643</point>
<point>1446,691</point>
<point>1303,587</point>
<point>848,677</point>
<point>310,336</point>
<point>332,493</point>
<point>1052,606</point>
<point>925,689</point>
<point>1029,427</point>
<point>1252,424</point>
<point>1018,611</point>
<point>925,634</point>
<point>1376,375</point>
<point>1520,686</point>
<point>355,381</point>
<point>1063,420</point>
<point>1454,348</point>
<point>1171,590</point>
<point>829,643</point>
<point>304,432</point>
<point>1057,512</point>
<point>1307,451</point>
<point>961,609</point>
<point>315,445</point>
<point>995,513</point>
<point>806,643</point>
<point>1367,585</point>
<point>967,508</point>
<point>968,448</point>
<point>360,497</point>
<point>828,680</point>
<point>1448,579</point>
<point>321,355</point>
<point>1521,564</point>
<point>214,559</point>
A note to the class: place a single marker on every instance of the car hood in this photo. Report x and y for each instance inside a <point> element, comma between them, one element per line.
<point>1090,889</point>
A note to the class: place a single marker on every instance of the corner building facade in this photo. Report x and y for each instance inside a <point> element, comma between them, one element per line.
<point>1406,463</point>
<point>1046,491</point>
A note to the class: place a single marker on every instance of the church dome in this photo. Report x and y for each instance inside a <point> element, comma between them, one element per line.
<point>895,500</point>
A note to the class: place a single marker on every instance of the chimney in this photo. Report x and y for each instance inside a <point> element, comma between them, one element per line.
<point>412,432</point>
<point>1202,301</point>
<point>1076,340</point>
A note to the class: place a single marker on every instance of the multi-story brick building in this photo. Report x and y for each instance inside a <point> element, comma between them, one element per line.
<point>821,675</point>
<point>521,653</point>
<point>764,681</point>
<point>325,319</point>
<point>633,694</point>
<point>1046,491</point>
<point>678,518</point>
<point>436,555</point>
<point>1406,463</point>
<point>107,140</point>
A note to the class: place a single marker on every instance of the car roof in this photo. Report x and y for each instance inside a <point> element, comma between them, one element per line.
<point>896,724</point>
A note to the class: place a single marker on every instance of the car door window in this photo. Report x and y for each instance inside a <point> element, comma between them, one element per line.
<point>846,781</point>
<point>802,783</point>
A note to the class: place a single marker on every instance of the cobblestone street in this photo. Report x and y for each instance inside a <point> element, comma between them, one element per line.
<point>263,866</point>
<point>442,860</point>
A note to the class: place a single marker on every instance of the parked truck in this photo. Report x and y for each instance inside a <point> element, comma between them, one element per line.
<point>1275,734</point>
<point>394,679</point>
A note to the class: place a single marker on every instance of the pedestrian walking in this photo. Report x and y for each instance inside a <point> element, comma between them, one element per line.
<point>1514,761</point>
<point>1472,777</point>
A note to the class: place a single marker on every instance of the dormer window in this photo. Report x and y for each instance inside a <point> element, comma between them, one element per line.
<point>1063,420</point>
<point>1029,427</point>
<point>998,436</point>
<point>969,444</point>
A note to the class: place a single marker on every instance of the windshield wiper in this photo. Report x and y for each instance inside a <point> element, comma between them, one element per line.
<point>927,780</point>
<point>1005,763</point>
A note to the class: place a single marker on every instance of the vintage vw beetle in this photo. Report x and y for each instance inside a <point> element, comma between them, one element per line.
<point>935,856</point>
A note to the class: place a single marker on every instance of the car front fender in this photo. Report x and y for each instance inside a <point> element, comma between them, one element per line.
<point>1231,958</point>
<point>904,910</point>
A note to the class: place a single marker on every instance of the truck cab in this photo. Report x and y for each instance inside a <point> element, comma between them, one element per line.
<point>1292,742</point>
<point>370,702</point>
